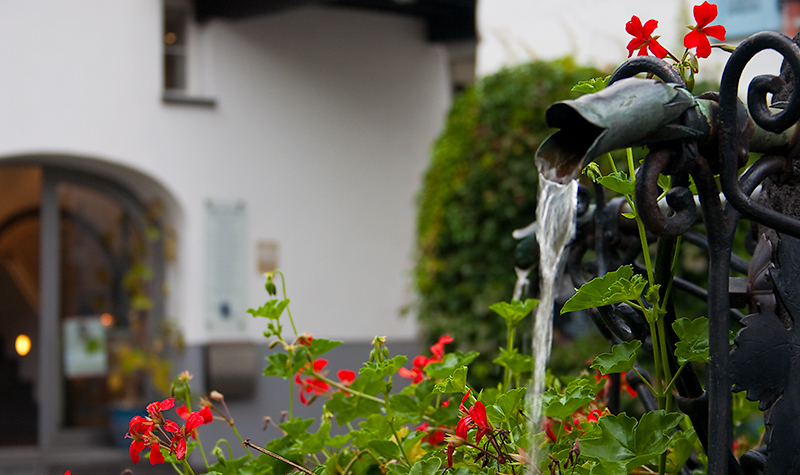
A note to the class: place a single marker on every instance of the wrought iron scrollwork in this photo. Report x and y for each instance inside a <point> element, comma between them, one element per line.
<point>712,134</point>
<point>734,138</point>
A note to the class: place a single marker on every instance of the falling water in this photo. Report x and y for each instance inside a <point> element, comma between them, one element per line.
<point>555,215</point>
<point>521,287</point>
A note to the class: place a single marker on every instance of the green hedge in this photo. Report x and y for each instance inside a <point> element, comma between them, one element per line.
<point>480,186</point>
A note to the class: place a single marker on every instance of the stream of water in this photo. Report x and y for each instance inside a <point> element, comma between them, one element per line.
<point>555,215</point>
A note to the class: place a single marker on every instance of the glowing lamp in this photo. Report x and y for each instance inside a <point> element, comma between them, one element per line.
<point>22,344</point>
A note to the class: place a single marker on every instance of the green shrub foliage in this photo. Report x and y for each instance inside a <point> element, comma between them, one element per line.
<point>480,186</point>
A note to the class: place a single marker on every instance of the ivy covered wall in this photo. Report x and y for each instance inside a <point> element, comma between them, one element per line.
<point>481,185</point>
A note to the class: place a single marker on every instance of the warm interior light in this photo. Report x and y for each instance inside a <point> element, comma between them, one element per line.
<point>106,319</point>
<point>23,345</point>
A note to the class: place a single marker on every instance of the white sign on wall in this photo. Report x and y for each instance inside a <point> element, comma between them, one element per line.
<point>226,235</point>
<point>85,343</point>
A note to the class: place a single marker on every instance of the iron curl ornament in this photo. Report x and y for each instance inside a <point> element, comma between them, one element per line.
<point>697,140</point>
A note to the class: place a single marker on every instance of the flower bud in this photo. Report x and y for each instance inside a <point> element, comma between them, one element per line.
<point>217,396</point>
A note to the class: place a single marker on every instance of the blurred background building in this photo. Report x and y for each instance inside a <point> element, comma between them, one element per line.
<point>158,156</point>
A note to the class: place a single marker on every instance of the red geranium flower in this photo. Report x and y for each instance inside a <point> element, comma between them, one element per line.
<point>416,373</point>
<point>475,416</point>
<point>183,411</point>
<point>698,37</point>
<point>346,376</point>
<point>643,38</point>
<point>311,384</point>
<point>434,436</point>
<point>182,434</point>
<point>155,408</point>
<point>438,348</point>
<point>140,430</point>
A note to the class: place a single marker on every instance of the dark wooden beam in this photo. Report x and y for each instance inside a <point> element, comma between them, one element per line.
<point>447,20</point>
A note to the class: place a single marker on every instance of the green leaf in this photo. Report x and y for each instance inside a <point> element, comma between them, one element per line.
<point>378,371</point>
<point>272,309</point>
<point>614,287</point>
<point>507,405</point>
<point>428,466</point>
<point>592,85</point>
<point>405,406</point>
<point>278,365</point>
<point>386,448</point>
<point>628,215</point>
<point>618,181</point>
<point>620,359</point>
<point>443,369</point>
<point>320,346</point>
<point>624,440</point>
<point>694,339</point>
<point>296,426</point>
<point>664,183</point>
<point>514,361</point>
<point>455,383</point>
<point>682,443</point>
<point>577,394</point>
<point>515,311</point>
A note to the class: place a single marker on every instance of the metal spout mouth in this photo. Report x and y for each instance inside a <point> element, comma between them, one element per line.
<point>561,156</point>
<point>629,113</point>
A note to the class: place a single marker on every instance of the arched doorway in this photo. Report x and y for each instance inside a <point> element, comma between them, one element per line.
<point>81,272</point>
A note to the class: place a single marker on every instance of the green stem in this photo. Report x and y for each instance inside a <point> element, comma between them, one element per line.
<point>241,441</point>
<point>611,162</point>
<point>230,450</point>
<point>399,443</point>
<point>353,460</point>
<point>645,381</point>
<point>288,311</point>
<point>658,367</point>
<point>662,341</point>
<point>673,267</point>
<point>507,371</point>
<point>674,378</point>
<point>202,452</point>
<point>175,466</point>
<point>635,305</point>
<point>187,466</point>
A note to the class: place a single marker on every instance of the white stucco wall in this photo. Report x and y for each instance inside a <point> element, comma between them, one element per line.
<point>322,126</point>
<point>592,32</point>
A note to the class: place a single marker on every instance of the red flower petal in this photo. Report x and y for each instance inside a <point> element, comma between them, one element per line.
<point>319,364</point>
<point>155,454</point>
<point>420,361</point>
<point>346,376</point>
<point>704,14</point>
<point>692,39</point>
<point>136,447</point>
<point>171,426</point>
<point>649,27</point>
<point>478,414</point>
<point>716,31</point>
<point>166,404</point>
<point>461,406</point>
<point>183,411</point>
<point>207,415</point>
<point>462,427</point>
<point>658,50</point>
<point>634,27</point>
<point>180,449</point>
